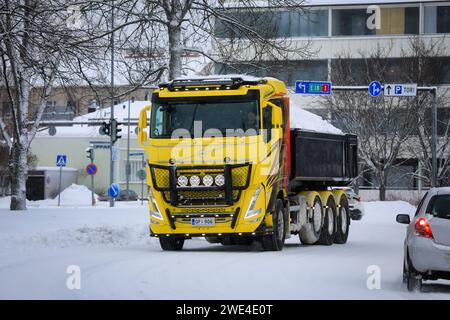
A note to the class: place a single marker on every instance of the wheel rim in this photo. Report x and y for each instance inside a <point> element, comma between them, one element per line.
<point>317,219</point>
<point>280,226</point>
<point>344,220</point>
<point>330,221</point>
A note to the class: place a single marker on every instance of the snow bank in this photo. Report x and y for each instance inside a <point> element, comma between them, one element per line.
<point>73,196</point>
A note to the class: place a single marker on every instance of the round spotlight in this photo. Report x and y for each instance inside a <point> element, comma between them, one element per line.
<point>195,181</point>
<point>220,180</point>
<point>208,180</point>
<point>183,181</point>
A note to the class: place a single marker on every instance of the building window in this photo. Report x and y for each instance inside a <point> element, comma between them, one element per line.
<point>350,22</point>
<point>302,24</point>
<point>135,166</point>
<point>281,24</point>
<point>394,20</point>
<point>437,19</point>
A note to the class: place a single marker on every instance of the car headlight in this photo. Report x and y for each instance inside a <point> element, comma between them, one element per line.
<point>251,212</point>
<point>220,180</point>
<point>155,212</point>
<point>208,180</point>
<point>183,181</point>
<point>195,181</point>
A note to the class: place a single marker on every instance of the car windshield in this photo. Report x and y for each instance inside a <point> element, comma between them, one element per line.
<point>440,206</point>
<point>226,117</point>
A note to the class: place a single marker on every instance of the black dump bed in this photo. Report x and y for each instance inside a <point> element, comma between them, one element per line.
<point>322,159</point>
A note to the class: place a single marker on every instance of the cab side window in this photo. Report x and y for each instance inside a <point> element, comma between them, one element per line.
<point>267,123</point>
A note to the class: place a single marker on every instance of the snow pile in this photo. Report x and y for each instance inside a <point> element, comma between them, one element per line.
<point>73,196</point>
<point>306,120</point>
<point>102,235</point>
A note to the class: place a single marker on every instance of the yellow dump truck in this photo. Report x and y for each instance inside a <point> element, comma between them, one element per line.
<point>224,164</point>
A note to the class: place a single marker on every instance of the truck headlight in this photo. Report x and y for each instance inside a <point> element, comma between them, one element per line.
<point>195,181</point>
<point>208,180</point>
<point>251,212</point>
<point>155,212</point>
<point>183,181</point>
<point>220,180</point>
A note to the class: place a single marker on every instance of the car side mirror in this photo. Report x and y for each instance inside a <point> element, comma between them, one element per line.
<point>403,219</point>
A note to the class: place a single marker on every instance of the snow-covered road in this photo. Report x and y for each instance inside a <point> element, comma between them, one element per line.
<point>118,260</point>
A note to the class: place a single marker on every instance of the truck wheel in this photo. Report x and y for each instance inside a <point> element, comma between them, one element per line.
<point>275,241</point>
<point>329,225</point>
<point>171,243</point>
<point>343,222</point>
<point>310,234</point>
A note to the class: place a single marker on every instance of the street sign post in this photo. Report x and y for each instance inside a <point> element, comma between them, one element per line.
<point>375,88</point>
<point>61,161</point>
<point>142,175</point>
<point>400,90</point>
<point>313,87</point>
<point>92,170</point>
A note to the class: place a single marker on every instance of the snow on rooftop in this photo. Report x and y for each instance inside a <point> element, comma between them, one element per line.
<point>120,113</point>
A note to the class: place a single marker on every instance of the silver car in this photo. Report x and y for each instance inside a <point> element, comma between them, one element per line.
<point>427,243</point>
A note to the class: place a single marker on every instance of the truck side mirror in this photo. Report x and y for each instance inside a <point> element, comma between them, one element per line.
<point>403,219</point>
<point>143,125</point>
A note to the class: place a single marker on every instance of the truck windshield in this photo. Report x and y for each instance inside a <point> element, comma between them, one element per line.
<point>240,117</point>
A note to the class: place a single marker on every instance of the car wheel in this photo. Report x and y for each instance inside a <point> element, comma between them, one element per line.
<point>413,278</point>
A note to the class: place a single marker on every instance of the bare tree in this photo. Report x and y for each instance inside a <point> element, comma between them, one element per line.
<point>426,68</point>
<point>382,124</point>
<point>172,29</point>
<point>37,50</point>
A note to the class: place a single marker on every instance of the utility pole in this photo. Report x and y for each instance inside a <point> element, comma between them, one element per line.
<point>434,166</point>
<point>111,162</point>
<point>128,167</point>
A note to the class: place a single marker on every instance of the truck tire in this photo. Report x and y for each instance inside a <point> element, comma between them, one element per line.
<point>343,222</point>
<point>213,240</point>
<point>310,233</point>
<point>171,243</point>
<point>275,241</point>
<point>329,224</point>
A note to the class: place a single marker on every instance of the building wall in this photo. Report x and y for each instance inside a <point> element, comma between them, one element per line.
<point>47,148</point>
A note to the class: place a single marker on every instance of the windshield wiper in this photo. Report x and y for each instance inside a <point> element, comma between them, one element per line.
<point>193,120</point>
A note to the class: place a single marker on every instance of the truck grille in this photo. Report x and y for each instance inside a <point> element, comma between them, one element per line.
<point>165,181</point>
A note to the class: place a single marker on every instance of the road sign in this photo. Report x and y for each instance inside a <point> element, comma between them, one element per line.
<point>375,88</point>
<point>313,87</point>
<point>400,90</point>
<point>91,169</point>
<point>114,190</point>
<point>137,154</point>
<point>61,160</point>
<point>141,174</point>
<point>115,153</point>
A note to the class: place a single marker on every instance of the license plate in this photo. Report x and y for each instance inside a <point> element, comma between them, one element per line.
<point>203,222</point>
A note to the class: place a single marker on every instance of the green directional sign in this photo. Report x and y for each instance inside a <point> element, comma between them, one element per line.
<point>141,174</point>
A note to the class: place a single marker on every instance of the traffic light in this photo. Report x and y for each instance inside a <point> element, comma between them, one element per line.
<point>90,153</point>
<point>115,130</point>
<point>105,129</point>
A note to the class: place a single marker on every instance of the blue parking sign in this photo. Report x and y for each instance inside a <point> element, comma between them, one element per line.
<point>398,90</point>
